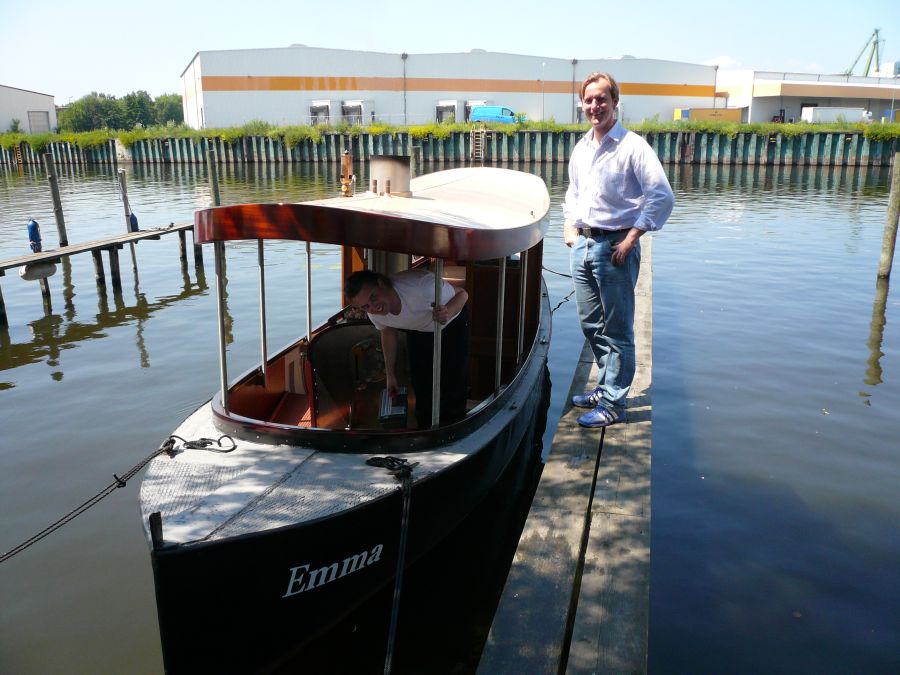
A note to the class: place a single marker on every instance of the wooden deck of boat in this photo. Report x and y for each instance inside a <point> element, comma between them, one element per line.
<point>577,596</point>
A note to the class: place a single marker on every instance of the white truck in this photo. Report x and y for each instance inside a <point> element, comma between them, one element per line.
<point>822,114</point>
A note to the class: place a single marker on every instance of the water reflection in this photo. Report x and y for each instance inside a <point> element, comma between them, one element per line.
<point>52,334</point>
<point>876,334</point>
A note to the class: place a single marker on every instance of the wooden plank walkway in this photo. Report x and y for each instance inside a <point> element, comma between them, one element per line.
<point>111,245</point>
<point>577,596</point>
<point>89,246</point>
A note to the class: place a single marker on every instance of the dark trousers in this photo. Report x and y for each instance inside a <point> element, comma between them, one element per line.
<point>454,370</point>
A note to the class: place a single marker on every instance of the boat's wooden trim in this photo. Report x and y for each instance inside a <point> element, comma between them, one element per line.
<point>466,214</point>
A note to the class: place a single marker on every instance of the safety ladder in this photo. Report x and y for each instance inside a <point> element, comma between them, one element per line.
<point>19,154</point>
<point>477,144</point>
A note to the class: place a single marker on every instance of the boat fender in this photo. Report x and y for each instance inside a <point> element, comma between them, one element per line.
<point>133,223</point>
<point>37,271</point>
<point>34,236</point>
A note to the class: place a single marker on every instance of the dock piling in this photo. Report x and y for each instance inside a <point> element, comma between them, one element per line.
<point>45,294</point>
<point>53,179</point>
<point>3,320</point>
<point>123,187</point>
<point>182,247</point>
<point>114,268</point>
<point>890,227</point>
<point>213,177</point>
<point>99,274</point>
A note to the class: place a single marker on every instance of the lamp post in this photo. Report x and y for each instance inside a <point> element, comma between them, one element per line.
<point>542,90</point>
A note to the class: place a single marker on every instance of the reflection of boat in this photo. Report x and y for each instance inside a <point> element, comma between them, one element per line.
<point>275,541</point>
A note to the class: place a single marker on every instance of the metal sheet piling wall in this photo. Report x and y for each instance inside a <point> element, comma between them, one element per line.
<point>679,147</point>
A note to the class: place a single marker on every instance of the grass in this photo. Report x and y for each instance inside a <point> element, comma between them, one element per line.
<point>295,134</point>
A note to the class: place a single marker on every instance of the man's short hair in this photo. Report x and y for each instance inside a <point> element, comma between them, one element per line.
<point>355,282</point>
<point>596,77</point>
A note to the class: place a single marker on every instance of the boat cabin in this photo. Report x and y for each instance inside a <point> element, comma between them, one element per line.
<point>450,222</point>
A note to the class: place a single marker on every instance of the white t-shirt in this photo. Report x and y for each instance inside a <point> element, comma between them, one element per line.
<point>416,291</point>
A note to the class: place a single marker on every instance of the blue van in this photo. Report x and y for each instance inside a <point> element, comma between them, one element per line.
<point>492,113</point>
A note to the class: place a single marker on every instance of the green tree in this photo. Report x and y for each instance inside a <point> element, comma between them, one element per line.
<point>137,108</point>
<point>169,109</point>
<point>94,111</point>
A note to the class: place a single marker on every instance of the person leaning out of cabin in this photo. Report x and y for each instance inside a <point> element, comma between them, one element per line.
<point>404,301</point>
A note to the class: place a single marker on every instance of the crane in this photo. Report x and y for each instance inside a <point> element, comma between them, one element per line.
<point>874,46</point>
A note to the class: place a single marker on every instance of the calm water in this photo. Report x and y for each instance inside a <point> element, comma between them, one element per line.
<point>775,544</point>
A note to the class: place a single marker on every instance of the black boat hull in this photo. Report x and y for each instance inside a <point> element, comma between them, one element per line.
<point>246,603</point>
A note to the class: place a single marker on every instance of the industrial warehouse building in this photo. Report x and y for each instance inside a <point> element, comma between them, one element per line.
<point>306,85</point>
<point>35,112</point>
<point>767,96</point>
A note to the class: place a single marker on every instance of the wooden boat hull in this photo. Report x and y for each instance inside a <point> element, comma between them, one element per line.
<point>270,592</point>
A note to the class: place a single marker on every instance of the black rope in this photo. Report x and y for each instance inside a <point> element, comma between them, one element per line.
<point>402,471</point>
<point>547,269</point>
<point>563,301</point>
<point>167,447</point>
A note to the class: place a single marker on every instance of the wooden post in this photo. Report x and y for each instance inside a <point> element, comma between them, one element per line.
<point>182,247</point>
<point>45,294</point>
<point>114,269</point>
<point>99,275</point>
<point>890,228</point>
<point>876,332</point>
<point>3,320</point>
<point>52,178</point>
<point>120,175</point>
<point>198,257</point>
<point>213,169</point>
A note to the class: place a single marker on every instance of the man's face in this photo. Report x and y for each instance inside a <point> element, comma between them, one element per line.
<point>371,299</point>
<point>599,106</point>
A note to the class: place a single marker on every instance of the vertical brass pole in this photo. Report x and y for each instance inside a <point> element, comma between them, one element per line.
<point>501,298</point>
<point>262,313</point>
<point>436,358</point>
<point>219,248</point>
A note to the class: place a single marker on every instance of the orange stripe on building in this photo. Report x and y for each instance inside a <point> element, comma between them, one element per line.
<point>438,84</point>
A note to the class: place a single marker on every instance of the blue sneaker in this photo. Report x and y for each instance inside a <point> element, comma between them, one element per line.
<point>590,399</point>
<point>601,417</point>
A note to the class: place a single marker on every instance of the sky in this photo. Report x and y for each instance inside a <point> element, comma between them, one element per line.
<point>70,49</point>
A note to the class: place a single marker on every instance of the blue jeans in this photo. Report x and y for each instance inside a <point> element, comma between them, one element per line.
<point>604,294</point>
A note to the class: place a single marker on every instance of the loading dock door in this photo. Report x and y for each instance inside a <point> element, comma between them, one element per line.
<point>445,111</point>
<point>38,121</point>
<point>319,112</point>
<point>352,112</point>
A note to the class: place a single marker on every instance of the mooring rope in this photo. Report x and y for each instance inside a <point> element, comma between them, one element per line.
<point>562,274</point>
<point>402,471</point>
<point>167,447</point>
<point>565,299</point>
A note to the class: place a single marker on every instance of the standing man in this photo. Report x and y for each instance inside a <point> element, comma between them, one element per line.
<point>617,191</point>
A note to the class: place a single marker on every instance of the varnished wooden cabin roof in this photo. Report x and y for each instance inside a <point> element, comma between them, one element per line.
<point>472,213</point>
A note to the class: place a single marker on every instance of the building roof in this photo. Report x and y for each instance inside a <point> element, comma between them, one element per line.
<point>6,86</point>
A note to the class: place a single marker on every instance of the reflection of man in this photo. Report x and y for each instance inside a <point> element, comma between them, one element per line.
<point>617,191</point>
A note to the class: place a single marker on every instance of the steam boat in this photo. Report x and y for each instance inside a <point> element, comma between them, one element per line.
<point>257,550</point>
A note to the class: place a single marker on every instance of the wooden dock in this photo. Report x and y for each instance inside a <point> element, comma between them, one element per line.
<point>111,245</point>
<point>577,596</point>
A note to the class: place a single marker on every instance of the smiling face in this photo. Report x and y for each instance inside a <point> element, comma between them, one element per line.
<point>599,107</point>
<point>372,299</point>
